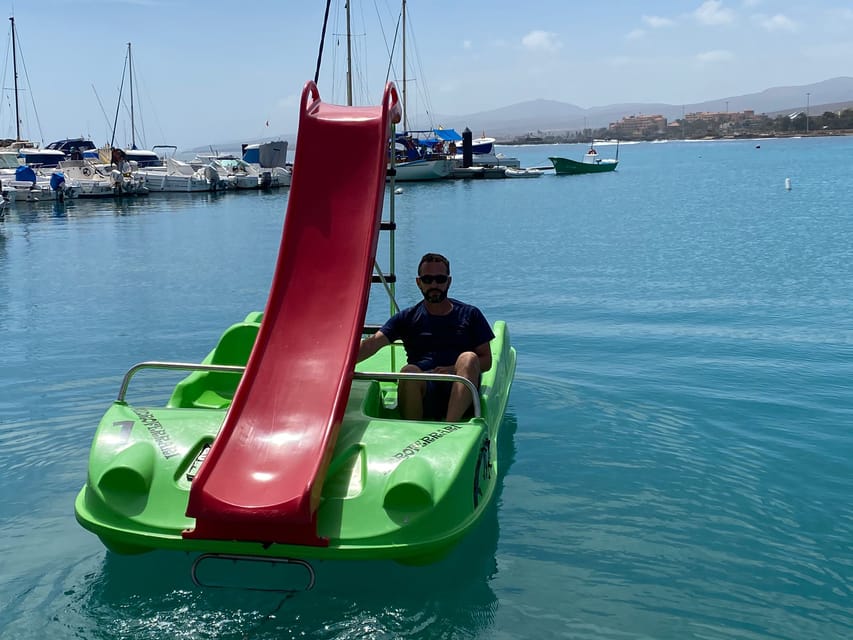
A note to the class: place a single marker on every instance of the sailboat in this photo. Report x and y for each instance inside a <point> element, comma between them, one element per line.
<point>27,182</point>
<point>416,161</point>
<point>110,154</point>
<point>29,151</point>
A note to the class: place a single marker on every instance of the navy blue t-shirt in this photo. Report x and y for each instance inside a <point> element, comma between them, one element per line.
<point>436,341</point>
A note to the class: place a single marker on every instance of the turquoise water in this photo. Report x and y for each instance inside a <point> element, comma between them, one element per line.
<point>677,453</point>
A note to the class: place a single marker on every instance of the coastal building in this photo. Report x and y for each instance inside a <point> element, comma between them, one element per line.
<point>720,116</point>
<point>641,126</point>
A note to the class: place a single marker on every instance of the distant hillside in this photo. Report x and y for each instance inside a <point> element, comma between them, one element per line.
<point>550,115</point>
<point>553,116</point>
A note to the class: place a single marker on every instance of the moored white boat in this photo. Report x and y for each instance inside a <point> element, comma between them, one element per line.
<point>269,159</point>
<point>20,183</point>
<point>423,169</point>
<point>180,177</point>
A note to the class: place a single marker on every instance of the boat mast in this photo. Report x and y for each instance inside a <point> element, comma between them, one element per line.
<point>405,120</point>
<point>15,73</point>
<point>349,59</point>
<point>132,126</point>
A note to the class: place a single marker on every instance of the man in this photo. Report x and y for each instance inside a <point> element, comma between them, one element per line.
<point>440,335</point>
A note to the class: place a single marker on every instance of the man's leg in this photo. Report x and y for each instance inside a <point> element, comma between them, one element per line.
<point>467,366</point>
<point>410,395</point>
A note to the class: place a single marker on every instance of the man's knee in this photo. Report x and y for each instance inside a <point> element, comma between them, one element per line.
<point>468,364</point>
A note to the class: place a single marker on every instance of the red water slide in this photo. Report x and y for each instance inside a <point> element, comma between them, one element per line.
<point>263,476</point>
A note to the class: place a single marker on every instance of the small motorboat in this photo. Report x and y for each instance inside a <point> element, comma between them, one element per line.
<point>592,162</point>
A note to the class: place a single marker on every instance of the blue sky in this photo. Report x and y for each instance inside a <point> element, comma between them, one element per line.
<point>216,71</point>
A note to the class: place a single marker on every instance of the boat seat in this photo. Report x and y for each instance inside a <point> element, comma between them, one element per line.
<point>215,389</point>
<point>376,404</point>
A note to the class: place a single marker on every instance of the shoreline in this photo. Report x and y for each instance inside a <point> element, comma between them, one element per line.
<point>515,142</point>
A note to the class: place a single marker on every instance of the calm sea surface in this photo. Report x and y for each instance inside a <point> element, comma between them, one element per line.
<point>678,450</point>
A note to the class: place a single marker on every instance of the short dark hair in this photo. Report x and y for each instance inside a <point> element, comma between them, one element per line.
<point>434,257</point>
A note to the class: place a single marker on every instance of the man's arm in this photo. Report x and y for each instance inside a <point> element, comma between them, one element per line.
<point>371,345</point>
<point>484,354</point>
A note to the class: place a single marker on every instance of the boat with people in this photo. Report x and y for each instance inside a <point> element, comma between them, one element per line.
<point>281,447</point>
<point>592,162</point>
<point>481,152</point>
<point>94,180</point>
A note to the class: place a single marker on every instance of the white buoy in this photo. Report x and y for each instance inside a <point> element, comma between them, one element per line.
<point>398,190</point>
<point>787,184</point>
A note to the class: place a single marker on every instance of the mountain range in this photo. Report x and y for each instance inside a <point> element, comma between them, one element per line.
<point>549,115</point>
<point>553,116</point>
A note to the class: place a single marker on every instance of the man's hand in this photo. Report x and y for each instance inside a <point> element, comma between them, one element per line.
<point>447,370</point>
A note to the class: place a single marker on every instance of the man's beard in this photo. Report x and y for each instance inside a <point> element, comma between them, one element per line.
<point>435,295</point>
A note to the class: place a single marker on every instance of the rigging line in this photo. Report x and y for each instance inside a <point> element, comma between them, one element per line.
<point>6,69</point>
<point>322,42</point>
<point>30,88</point>
<point>152,107</point>
<point>118,106</point>
<point>101,105</point>
<point>422,85</point>
<point>393,48</point>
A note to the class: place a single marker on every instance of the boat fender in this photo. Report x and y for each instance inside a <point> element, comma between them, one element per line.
<point>57,181</point>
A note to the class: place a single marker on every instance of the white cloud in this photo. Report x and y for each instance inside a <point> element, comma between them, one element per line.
<point>656,22</point>
<point>778,22</point>
<point>541,41</point>
<point>636,34</point>
<point>717,55</point>
<point>712,12</point>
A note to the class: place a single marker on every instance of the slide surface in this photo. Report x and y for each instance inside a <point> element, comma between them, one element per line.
<point>263,476</point>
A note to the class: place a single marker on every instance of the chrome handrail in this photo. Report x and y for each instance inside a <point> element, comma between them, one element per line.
<point>179,366</point>
<point>359,375</point>
<point>438,377</point>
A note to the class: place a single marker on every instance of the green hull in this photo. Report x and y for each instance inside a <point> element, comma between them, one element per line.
<point>395,489</point>
<point>564,166</point>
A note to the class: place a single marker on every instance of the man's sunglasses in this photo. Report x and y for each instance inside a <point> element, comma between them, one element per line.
<point>439,279</point>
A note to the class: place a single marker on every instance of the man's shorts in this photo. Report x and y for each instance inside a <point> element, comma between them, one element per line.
<point>436,398</point>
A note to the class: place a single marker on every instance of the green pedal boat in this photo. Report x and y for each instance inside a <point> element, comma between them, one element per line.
<point>279,445</point>
<point>394,489</point>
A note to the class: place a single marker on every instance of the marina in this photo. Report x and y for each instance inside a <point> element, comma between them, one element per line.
<point>674,454</point>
